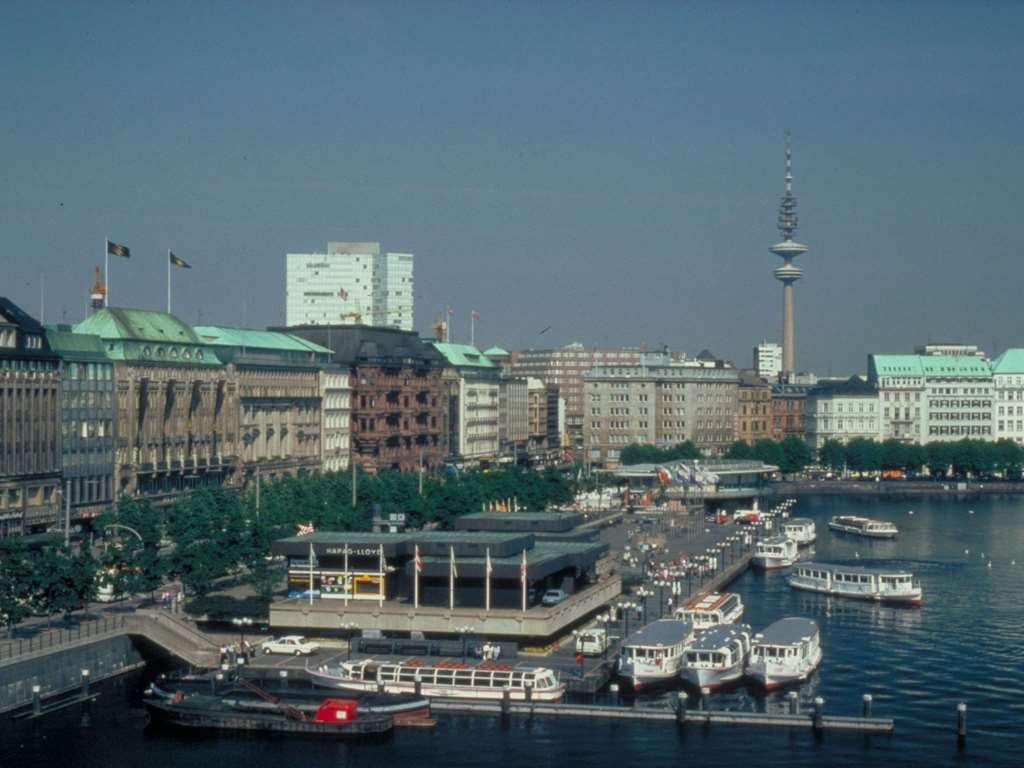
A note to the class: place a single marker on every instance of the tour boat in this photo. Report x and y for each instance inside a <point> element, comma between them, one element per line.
<point>775,552</point>
<point>717,656</point>
<point>705,611</point>
<point>786,652</point>
<point>654,653</point>
<point>444,679</point>
<point>863,526</point>
<point>888,585</point>
<point>801,530</point>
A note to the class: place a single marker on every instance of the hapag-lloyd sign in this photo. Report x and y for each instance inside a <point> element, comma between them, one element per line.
<point>354,551</point>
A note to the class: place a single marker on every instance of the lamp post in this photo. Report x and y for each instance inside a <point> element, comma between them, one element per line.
<point>349,627</point>
<point>605,618</point>
<point>643,593</point>
<point>241,622</point>
<point>464,631</point>
<point>661,584</point>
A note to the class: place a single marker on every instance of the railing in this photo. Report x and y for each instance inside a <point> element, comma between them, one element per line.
<point>52,639</point>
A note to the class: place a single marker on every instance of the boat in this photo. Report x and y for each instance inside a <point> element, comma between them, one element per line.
<point>800,529</point>
<point>885,585</point>
<point>654,653</point>
<point>243,694</point>
<point>775,552</point>
<point>718,656</point>
<point>863,526</point>
<point>339,718</point>
<point>705,611</point>
<point>445,679</point>
<point>785,652</point>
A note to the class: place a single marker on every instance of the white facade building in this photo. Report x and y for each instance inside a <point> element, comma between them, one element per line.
<point>1008,400</point>
<point>841,411</point>
<point>768,360</point>
<point>335,415</point>
<point>352,283</point>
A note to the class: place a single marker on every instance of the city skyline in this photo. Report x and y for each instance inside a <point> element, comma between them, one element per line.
<point>618,200</point>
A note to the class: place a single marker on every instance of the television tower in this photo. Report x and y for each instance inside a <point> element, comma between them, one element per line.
<point>788,273</point>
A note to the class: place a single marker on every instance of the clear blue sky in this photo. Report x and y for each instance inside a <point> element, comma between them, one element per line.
<point>609,170</point>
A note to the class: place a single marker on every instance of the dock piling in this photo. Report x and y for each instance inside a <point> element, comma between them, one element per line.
<point>417,685</point>
<point>961,721</point>
<point>283,674</point>
<point>794,703</point>
<point>37,701</point>
<point>528,690</point>
<point>85,683</point>
<point>705,695</point>
<point>867,705</point>
<point>681,708</point>
<point>506,702</point>
<point>819,713</point>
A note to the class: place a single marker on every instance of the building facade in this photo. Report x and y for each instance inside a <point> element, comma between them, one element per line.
<point>87,423</point>
<point>30,444</point>
<point>565,368</point>
<point>753,408</point>
<point>1008,396</point>
<point>474,403</point>
<point>788,410</point>
<point>514,415</point>
<point>353,284</point>
<point>660,402</point>
<point>841,411</point>
<point>397,403</point>
<point>768,360</point>
<point>336,413</point>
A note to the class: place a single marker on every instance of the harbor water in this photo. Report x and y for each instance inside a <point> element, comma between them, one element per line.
<point>963,644</point>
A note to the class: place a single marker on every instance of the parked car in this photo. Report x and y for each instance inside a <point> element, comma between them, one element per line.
<point>591,641</point>
<point>553,597</point>
<point>296,645</point>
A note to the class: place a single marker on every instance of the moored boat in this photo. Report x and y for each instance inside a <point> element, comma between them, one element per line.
<point>785,652</point>
<point>718,656</point>
<point>775,552</point>
<point>654,653</point>
<point>338,718</point>
<point>863,526</point>
<point>889,585</point>
<point>709,610</point>
<point>445,679</point>
<point>800,529</point>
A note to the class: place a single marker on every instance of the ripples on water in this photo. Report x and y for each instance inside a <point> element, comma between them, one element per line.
<point>963,644</point>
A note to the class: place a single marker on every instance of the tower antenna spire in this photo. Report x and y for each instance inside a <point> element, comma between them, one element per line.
<point>788,273</point>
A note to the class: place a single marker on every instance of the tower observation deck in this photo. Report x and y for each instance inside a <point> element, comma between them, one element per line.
<point>788,273</point>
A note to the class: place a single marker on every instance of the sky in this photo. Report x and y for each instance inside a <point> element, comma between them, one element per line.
<point>609,171</point>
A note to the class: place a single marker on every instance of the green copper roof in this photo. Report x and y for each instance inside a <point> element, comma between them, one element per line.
<point>137,325</point>
<point>75,346</point>
<point>930,365</point>
<point>496,352</point>
<point>1011,361</point>
<point>463,355</point>
<point>897,365</point>
<point>222,336</point>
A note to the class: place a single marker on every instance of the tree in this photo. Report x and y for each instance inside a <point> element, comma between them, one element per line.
<point>636,453</point>
<point>132,565</point>
<point>65,579</point>
<point>795,454</point>
<point>833,455</point>
<point>16,583</point>
<point>892,454</point>
<point>741,449</point>
<point>863,455</point>
<point>1009,458</point>
<point>915,458</point>
<point>940,458</point>
<point>769,452</point>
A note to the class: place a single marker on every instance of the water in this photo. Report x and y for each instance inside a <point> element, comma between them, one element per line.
<point>963,644</point>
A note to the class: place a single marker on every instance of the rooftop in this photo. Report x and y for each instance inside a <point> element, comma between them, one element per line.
<point>223,336</point>
<point>929,365</point>
<point>715,637</point>
<point>789,631</point>
<point>137,325</point>
<point>79,346</point>
<point>861,570</point>
<point>353,344</point>
<point>463,355</point>
<point>662,632</point>
<point>1011,361</point>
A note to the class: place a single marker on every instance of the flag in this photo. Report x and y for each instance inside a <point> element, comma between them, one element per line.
<point>475,315</point>
<point>116,249</point>
<point>177,261</point>
<point>418,561</point>
<point>306,528</point>
<point>342,294</point>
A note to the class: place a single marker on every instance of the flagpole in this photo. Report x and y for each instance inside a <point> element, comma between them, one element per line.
<point>522,579</point>
<point>168,281</point>
<point>348,581</point>
<point>451,579</point>
<point>487,594</point>
<point>310,571</point>
<point>472,329</point>
<point>106,272</point>
<point>380,591</point>
<point>416,579</point>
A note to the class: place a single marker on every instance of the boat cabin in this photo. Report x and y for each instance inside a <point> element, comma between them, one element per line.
<point>706,611</point>
<point>453,674</point>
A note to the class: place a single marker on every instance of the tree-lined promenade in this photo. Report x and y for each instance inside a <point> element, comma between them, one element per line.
<point>212,533</point>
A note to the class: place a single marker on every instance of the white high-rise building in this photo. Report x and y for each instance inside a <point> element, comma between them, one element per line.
<point>352,283</point>
<point>768,360</point>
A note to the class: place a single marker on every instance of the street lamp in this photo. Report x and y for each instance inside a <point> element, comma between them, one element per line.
<point>241,622</point>
<point>464,631</point>
<point>604,618</point>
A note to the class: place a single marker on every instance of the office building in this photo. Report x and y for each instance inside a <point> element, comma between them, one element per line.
<point>474,413</point>
<point>788,410</point>
<point>753,408</point>
<point>1008,395</point>
<point>841,411</point>
<point>768,360</point>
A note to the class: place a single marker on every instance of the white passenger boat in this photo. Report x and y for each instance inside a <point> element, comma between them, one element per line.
<point>786,652</point>
<point>888,585</point>
<point>863,526</point>
<point>446,679</point>
<point>775,552</point>
<point>800,529</point>
<point>718,656</point>
<point>706,611</point>
<point>655,652</point>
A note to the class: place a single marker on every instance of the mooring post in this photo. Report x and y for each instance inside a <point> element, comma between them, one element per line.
<point>961,721</point>
<point>528,692</point>
<point>216,680</point>
<point>506,701</point>
<point>819,713</point>
<point>794,703</point>
<point>705,693</point>
<point>867,704</point>
<point>85,683</point>
<point>613,689</point>
<point>37,700</point>
<point>681,708</point>
<point>283,674</point>
<point>417,685</point>
<point>380,686</point>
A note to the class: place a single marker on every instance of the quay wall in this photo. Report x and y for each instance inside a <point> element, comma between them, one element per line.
<point>892,488</point>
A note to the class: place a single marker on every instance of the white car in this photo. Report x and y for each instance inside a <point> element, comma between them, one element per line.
<point>296,645</point>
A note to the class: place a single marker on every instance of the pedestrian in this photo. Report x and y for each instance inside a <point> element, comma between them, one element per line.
<point>181,600</point>
<point>579,664</point>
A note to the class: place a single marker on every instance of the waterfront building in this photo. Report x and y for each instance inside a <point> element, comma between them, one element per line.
<point>788,273</point>
<point>352,283</point>
<point>753,408</point>
<point>87,416</point>
<point>473,392</point>
<point>768,360</point>
<point>841,411</point>
<point>177,410</point>
<point>1008,396</point>
<point>565,368</point>
<point>30,446</point>
<point>544,421</point>
<point>513,414</point>
<point>660,402</point>
<point>398,404</point>
<point>278,380</point>
<point>788,410</point>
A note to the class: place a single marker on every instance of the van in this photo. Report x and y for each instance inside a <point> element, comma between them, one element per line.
<point>591,641</point>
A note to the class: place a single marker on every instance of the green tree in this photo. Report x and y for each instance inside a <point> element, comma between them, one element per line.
<point>65,579</point>
<point>796,454</point>
<point>16,583</point>
<point>832,454</point>
<point>1009,458</point>
<point>892,454</point>
<point>769,451</point>
<point>636,453</point>
<point>915,458</point>
<point>740,449</point>
<point>863,455</point>
<point>940,458</point>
